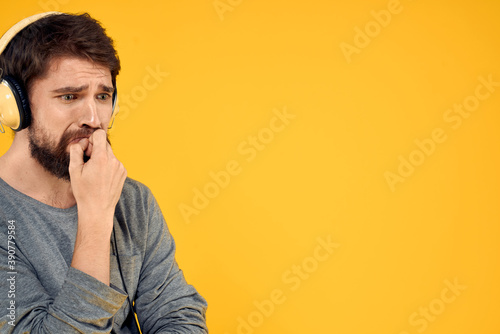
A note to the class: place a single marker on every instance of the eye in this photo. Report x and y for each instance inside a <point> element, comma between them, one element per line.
<point>103,97</point>
<point>68,97</point>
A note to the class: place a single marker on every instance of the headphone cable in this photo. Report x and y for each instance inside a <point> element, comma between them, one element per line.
<point>136,320</point>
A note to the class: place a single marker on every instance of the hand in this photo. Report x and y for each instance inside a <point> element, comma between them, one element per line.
<point>97,186</point>
<point>98,183</point>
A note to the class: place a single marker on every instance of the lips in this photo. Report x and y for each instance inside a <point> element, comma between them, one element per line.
<point>73,137</point>
<point>76,140</point>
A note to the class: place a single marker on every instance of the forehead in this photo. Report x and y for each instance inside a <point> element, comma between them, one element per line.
<point>68,70</point>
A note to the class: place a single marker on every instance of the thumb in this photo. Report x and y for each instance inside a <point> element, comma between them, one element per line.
<point>75,159</point>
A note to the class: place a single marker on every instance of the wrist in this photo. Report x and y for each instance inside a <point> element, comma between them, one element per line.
<point>95,213</point>
<point>95,226</point>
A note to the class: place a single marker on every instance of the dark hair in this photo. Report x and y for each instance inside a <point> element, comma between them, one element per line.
<point>29,53</point>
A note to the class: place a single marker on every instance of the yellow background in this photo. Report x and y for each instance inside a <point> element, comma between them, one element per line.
<point>324,175</point>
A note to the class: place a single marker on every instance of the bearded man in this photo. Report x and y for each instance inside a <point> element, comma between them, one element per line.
<point>83,248</point>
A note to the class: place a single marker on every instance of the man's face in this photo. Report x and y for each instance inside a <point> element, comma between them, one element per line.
<point>68,104</point>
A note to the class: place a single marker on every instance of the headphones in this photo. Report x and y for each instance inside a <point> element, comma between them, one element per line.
<point>15,109</point>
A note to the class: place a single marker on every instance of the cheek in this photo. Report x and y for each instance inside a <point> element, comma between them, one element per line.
<point>41,126</point>
<point>105,119</point>
<point>43,135</point>
<point>48,116</point>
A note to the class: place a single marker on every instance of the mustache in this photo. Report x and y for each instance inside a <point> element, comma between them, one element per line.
<point>51,154</point>
<point>71,135</point>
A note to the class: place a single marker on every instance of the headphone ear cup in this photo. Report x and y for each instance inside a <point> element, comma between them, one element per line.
<point>116,109</point>
<point>22,118</point>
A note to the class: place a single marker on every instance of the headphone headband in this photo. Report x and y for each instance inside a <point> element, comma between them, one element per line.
<point>9,34</point>
<point>14,104</point>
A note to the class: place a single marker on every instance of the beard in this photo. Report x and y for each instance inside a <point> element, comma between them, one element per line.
<point>52,155</point>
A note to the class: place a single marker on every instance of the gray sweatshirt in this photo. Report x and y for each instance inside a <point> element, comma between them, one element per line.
<point>41,293</point>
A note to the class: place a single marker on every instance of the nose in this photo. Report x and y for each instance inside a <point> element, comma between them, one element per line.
<point>89,115</point>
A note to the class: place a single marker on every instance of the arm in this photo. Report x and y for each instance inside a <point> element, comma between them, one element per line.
<point>96,186</point>
<point>165,303</point>
<point>85,303</point>
<point>82,305</point>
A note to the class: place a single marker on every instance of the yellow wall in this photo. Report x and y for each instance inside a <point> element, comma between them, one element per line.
<point>372,207</point>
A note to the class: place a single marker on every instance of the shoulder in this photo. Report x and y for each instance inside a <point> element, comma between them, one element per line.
<point>137,213</point>
<point>135,197</point>
<point>133,187</point>
<point>136,202</point>
<point>136,193</point>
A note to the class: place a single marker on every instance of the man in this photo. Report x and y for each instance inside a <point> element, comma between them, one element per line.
<point>80,242</point>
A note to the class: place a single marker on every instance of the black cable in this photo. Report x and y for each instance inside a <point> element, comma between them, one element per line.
<point>136,321</point>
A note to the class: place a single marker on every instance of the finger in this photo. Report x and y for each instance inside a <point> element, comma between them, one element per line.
<point>76,158</point>
<point>88,151</point>
<point>98,141</point>
<point>84,144</point>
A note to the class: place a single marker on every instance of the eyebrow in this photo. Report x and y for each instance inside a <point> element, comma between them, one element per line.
<point>71,89</point>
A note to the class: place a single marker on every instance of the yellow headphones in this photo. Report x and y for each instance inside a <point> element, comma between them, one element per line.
<point>14,104</point>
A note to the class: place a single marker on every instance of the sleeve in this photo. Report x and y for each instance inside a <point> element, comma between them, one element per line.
<point>165,303</point>
<point>83,304</point>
